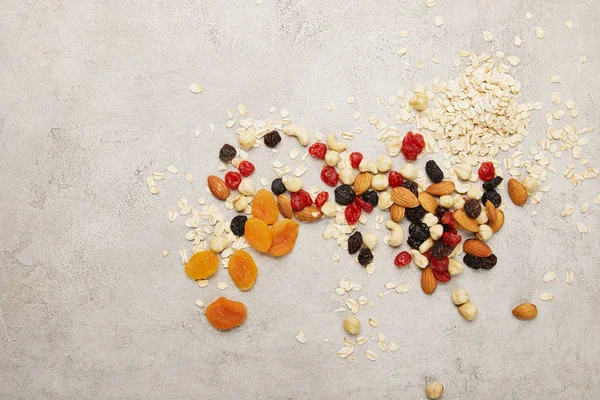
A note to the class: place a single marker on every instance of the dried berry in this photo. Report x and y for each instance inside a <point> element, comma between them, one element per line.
<point>277,186</point>
<point>472,261</point>
<point>412,145</point>
<point>246,168</point>
<point>300,199</point>
<point>451,238</point>
<point>329,175</point>
<point>433,171</point>
<point>493,184</point>
<point>272,139</point>
<point>227,153</point>
<point>352,213</point>
<point>442,276</point>
<point>439,264</point>
<point>321,199</point>
<point>493,196</point>
<point>413,242</point>
<point>355,159</point>
<point>355,242</point>
<point>486,171</point>
<point>233,179</point>
<point>415,213</point>
<point>238,223</point>
<point>402,259</point>
<point>472,208</point>
<point>395,179</point>
<point>412,186</point>
<point>366,207</point>
<point>489,262</point>
<point>318,150</point>
<point>365,256</point>
<point>371,197</point>
<point>441,250</point>
<point>448,218</point>
<point>344,194</point>
<point>419,231</point>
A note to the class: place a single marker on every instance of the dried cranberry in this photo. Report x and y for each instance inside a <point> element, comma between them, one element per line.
<point>448,218</point>
<point>428,255</point>
<point>352,213</point>
<point>233,179</point>
<point>493,196</point>
<point>277,186</point>
<point>434,172</point>
<point>449,228</point>
<point>355,242</point>
<point>412,145</point>
<point>395,179</point>
<point>246,168</point>
<point>441,250</point>
<point>486,171</point>
<point>402,259</point>
<point>321,199</point>
<point>451,238</point>
<point>415,213</point>
<point>366,207</point>
<point>439,265</point>
<point>371,197</point>
<point>365,256</point>
<point>272,139</point>
<point>355,159</point>
<point>300,199</point>
<point>489,262</point>
<point>318,150</point>
<point>227,153</point>
<point>472,261</point>
<point>344,194</point>
<point>442,276</point>
<point>493,184</point>
<point>412,186</point>
<point>329,175</point>
<point>472,208</point>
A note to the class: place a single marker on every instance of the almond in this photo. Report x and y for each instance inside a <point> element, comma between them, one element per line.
<point>404,197</point>
<point>525,311</point>
<point>428,202</point>
<point>467,223</point>
<point>396,212</point>
<point>362,183</point>
<point>477,248</point>
<point>517,192</point>
<point>497,224</point>
<point>308,214</point>
<point>285,205</point>
<point>441,189</point>
<point>217,187</point>
<point>428,281</point>
<point>491,212</point>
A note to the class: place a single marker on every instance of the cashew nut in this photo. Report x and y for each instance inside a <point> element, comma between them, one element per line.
<point>397,235</point>
<point>475,192</point>
<point>367,166</point>
<point>334,144</point>
<point>419,259</point>
<point>426,245</point>
<point>299,132</point>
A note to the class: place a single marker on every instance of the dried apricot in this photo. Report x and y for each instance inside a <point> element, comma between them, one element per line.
<point>258,234</point>
<point>202,265</point>
<point>264,206</point>
<point>284,233</point>
<point>225,314</point>
<point>242,269</point>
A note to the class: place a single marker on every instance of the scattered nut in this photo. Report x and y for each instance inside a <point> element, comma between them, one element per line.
<point>347,176</point>
<point>292,184</point>
<point>299,132</point>
<point>460,296</point>
<point>385,200</point>
<point>380,182</point>
<point>384,163</point>
<point>352,325</point>
<point>455,267</point>
<point>468,311</point>
<point>434,390</point>
<point>334,144</point>
<point>368,166</point>
<point>419,101</point>
<point>397,235</point>
<point>218,244</point>
<point>408,171</point>
<point>332,157</point>
<point>369,240</point>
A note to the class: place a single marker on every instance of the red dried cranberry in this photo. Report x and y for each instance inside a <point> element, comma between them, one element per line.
<point>450,228</point>
<point>402,259</point>
<point>366,207</point>
<point>395,179</point>
<point>329,175</point>
<point>428,255</point>
<point>321,199</point>
<point>355,159</point>
<point>352,213</point>
<point>233,179</point>
<point>486,171</point>
<point>448,218</point>
<point>412,145</point>
<point>439,265</point>
<point>451,238</point>
<point>318,150</point>
<point>246,168</point>
<point>300,199</point>
<point>442,276</point>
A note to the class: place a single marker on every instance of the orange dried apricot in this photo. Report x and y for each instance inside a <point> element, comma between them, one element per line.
<point>284,232</point>
<point>264,206</point>
<point>258,234</point>
<point>242,269</point>
<point>202,265</point>
<point>225,314</point>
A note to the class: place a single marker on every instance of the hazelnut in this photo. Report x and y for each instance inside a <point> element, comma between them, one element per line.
<point>468,311</point>
<point>351,325</point>
<point>434,390</point>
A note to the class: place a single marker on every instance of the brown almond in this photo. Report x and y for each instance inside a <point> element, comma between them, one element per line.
<point>441,189</point>
<point>284,205</point>
<point>308,214</point>
<point>467,223</point>
<point>497,224</point>
<point>362,183</point>
<point>428,202</point>
<point>477,248</point>
<point>217,187</point>
<point>404,197</point>
<point>517,192</point>
<point>525,311</point>
<point>428,281</point>
<point>396,212</point>
<point>491,212</point>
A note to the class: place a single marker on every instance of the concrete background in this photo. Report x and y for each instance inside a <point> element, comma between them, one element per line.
<point>94,97</point>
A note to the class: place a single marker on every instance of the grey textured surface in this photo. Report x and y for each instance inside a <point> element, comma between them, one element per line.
<point>94,97</point>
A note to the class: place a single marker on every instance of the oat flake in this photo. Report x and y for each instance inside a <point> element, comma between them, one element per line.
<point>546,296</point>
<point>300,337</point>
<point>550,276</point>
<point>569,276</point>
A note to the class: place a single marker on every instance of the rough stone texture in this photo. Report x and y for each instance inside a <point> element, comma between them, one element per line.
<point>94,97</point>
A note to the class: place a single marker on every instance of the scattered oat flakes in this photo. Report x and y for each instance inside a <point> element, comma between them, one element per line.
<point>345,351</point>
<point>361,340</point>
<point>370,355</point>
<point>393,347</point>
<point>389,285</point>
<point>439,21</point>
<point>330,106</point>
<point>569,24</point>
<point>188,176</point>
<point>402,51</point>
<point>153,189</point>
<point>172,169</point>
<point>582,59</point>
<point>373,322</point>
<point>567,210</point>
<point>513,60</point>
<point>582,228</point>
<point>202,283</point>
<point>555,79</point>
<point>165,253</point>
<point>546,296</point>
<point>222,285</point>
<point>528,15</point>
<point>300,337</point>
<point>183,255</point>
<point>539,32</point>
<point>569,276</point>
<point>419,64</point>
<point>517,41</point>
<point>487,36</point>
<point>335,257</point>
<point>196,88</point>
<point>584,207</point>
<point>550,276</point>
<point>597,198</point>
<point>430,3</point>
<point>199,303</point>
<point>403,288</point>
<point>403,34</point>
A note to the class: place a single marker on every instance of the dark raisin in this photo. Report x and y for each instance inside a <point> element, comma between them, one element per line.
<point>472,261</point>
<point>344,195</point>
<point>413,242</point>
<point>472,208</point>
<point>492,196</point>
<point>227,153</point>
<point>412,186</point>
<point>441,250</point>
<point>414,214</point>
<point>354,242</point>
<point>272,139</point>
<point>238,224</point>
<point>371,197</point>
<point>433,171</point>
<point>365,256</point>
<point>493,184</point>
<point>489,262</point>
<point>419,231</point>
<point>277,186</point>
<point>439,211</point>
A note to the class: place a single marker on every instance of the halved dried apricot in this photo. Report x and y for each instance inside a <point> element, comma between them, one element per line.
<point>284,232</point>
<point>258,234</point>
<point>225,314</point>
<point>264,206</point>
<point>202,265</point>
<point>242,269</point>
